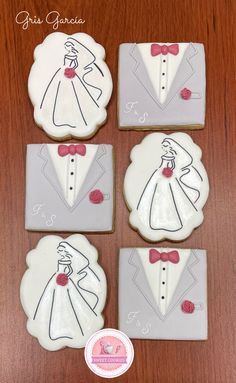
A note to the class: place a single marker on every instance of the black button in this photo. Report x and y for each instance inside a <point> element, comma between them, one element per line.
<point>163,87</point>
<point>164,268</point>
<point>162,297</point>
<point>72,160</point>
<point>163,74</point>
<point>164,61</point>
<point>71,188</point>
<point>163,283</point>
<point>72,173</point>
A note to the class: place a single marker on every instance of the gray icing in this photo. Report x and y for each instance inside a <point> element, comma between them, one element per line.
<point>46,207</point>
<point>140,316</point>
<point>137,102</point>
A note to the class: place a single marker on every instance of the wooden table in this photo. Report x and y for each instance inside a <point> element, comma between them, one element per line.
<point>111,23</point>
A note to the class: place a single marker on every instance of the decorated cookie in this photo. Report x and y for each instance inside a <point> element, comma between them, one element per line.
<point>161,85</point>
<point>166,187</point>
<point>63,292</point>
<point>163,293</point>
<point>69,85</point>
<point>69,187</point>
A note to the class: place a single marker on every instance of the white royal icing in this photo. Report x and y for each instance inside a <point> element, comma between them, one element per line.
<point>166,207</point>
<point>63,314</point>
<point>72,174</point>
<point>155,66</point>
<point>170,276</point>
<point>69,107</point>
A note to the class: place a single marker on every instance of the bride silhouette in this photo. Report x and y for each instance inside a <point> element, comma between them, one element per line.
<point>170,196</point>
<point>65,308</point>
<point>69,97</point>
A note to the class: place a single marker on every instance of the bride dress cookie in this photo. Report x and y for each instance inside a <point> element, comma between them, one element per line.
<point>69,85</point>
<point>63,292</point>
<point>166,187</point>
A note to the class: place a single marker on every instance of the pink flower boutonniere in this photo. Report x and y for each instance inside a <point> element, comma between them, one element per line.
<point>186,93</point>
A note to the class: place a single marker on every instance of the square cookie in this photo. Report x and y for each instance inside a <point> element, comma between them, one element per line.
<point>161,86</point>
<point>69,187</point>
<point>163,293</point>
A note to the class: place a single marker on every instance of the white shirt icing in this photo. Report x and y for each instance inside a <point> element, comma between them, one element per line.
<point>71,170</point>
<point>167,272</point>
<point>161,68</point>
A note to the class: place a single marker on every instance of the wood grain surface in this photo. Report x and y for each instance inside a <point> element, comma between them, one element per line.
<point>111,23</point>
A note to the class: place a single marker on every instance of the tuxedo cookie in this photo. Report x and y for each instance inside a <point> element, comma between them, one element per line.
<point>163,293</point>
<point>69,187</point>
<point>63,292</point>
<point>166,187</point>
<point>69,85</point>
<point>161,85</point>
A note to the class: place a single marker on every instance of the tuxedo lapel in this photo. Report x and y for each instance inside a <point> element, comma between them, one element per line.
<point>95,172</point>
<point>140,280</point>
<point>49,173</point>
<point>186,283</point>
<point>140,72</point>
<point>184,72</point>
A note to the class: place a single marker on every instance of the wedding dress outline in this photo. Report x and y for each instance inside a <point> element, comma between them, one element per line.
<point>70,42</point>
<point>67,263</point>
<point>186,169</point>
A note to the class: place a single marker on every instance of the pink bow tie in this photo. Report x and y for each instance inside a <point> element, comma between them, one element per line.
<point>171,256</point>
<point>64,150</point>
<point>157,49</point>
